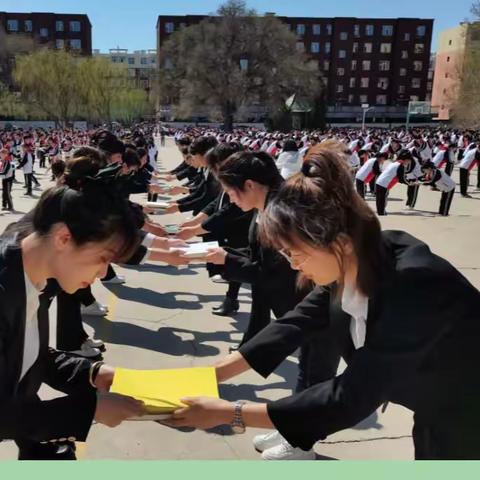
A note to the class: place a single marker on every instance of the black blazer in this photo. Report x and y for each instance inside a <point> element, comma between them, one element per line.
<point>227,223</point>
<point>421,348</point>
<point>274,283</point>
<point>22,414</point>
<point>204,193</point>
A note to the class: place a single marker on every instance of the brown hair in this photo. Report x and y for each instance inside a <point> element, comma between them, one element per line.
<point>319,206</point>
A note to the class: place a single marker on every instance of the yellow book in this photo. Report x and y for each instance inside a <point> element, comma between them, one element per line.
<point>161,390</point>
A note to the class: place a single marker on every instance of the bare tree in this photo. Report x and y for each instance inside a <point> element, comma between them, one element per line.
<point>232,61</point>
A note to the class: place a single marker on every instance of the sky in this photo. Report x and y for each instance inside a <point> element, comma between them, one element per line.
<point>131,24</point>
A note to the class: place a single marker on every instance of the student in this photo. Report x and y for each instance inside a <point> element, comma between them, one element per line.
<point>289,161</point>
<point>445,157</point>
<point>404,170</point>
<point>67,243</point>
<point>470,158</point>
<point>26,163</point>
<point>403,341</point>
<point>441,181</point>
<point>369,172</point>
<point>6,174</point>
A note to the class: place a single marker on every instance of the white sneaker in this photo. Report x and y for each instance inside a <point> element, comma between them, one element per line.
<point>218,279</point>
<point>93,343</point>
<point>267,440</point>
<point>96,309</point>
<point>285,451</point>
<point>116,280</point>
<point>87,352</point>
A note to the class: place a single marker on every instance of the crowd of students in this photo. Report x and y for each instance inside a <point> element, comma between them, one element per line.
<point>289,214</point>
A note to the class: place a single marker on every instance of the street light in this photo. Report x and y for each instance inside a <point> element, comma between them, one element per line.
<point>365,108</point>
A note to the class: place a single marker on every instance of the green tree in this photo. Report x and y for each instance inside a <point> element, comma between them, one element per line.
<point>234,60</point>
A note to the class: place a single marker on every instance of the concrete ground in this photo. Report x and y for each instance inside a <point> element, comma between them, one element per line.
<point>161,318</point>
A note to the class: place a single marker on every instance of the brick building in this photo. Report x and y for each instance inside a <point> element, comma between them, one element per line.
<point>380,62</point>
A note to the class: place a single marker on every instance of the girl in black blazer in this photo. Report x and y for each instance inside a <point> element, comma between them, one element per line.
<point>68,243</point>
<point>382,296</point>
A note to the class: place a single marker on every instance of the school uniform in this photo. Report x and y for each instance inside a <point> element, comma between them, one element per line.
<point>367,173</point>
<point>446,185</point>
<point>27,361</point>
<point>445,158</point>
<point>206,191</point>
<point>6,174</point>
<point>469,161</point>
<point>409,344</point>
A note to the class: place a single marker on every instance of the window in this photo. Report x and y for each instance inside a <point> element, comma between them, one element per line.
<point>300,29</point>
<point>446,74</point>
<point>354,65</point>
<point>403,72</point>
<point>356,31</point>
<point>329,28</point>
<point>300,47</point>
<point>387,30</point>
<point>169,27</point>
<point>448,59</point>
<point>59,43</point>
<point>152,60</point>
<point>343,36</point>
<point>416,82</point>
<point>421,29</point>
<point>363,98</point>
<point>114,59</point>
<point>326,65</point>
<point>339,88</point>
<point>404,54</point>
<point>384,65</point>
<point>367,47</point>
<point>168,64</point>
<point>366,65</point>
<point>244,64</point>
<point>369,30</point>
<point>76,44</point>
<point>449,42</point>
<point>183,25</point>
<point>12,25</point>
<point>44,32</point>
<point>352,82</point>
<point>414,98</point>
<point>122,59</point>
<point>75,26</point>
<point>406,37</point>
<point>385,48</point>
<point>316,29</point>
<point>355,47</point>
<point>381,100</point>
<point>429,86</point>
<point>342,53</point>
<point>419,48</point>
<point>28,25</point>
<point>444,91</point>
<point>401,89</point>
<point>382,83</point>
<point>131,60</point>
<point>340,72</point>
<point>364,82</point>
<point>143,61</point>
<point>351,98</point>
<point>418,66</point>
<point>315,47</point>
<point>328,47</point>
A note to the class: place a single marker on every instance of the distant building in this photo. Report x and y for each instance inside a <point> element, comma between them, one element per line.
<point>141,64</point>
<point>381,62</point>
<point>71,31</point>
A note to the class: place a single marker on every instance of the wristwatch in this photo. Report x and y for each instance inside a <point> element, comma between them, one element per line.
<point>237,423</point>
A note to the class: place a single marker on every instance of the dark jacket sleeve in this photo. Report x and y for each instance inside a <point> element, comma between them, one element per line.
<point>208,193</point>
<point>227,221</point>
<point>412,323</point>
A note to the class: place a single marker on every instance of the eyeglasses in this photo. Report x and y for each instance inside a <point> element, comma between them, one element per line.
<point>292,261</point>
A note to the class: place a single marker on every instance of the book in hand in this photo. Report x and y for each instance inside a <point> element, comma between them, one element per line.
<point>198,250</point>
<point>172,229</point>
<point>157,205</point>
<point>161,390</point>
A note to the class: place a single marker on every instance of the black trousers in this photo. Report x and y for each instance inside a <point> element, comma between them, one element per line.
<point>446,202</point>
<point>7,193</point>
<point>412,195</point>
<point>449,168</point>
<point>29,450</point>
<point>381,194</point>
<point>446,441</point>
<point>233,290</point>
<point>464,177</point>
<point>360,187</point>
<point>28,183</point>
